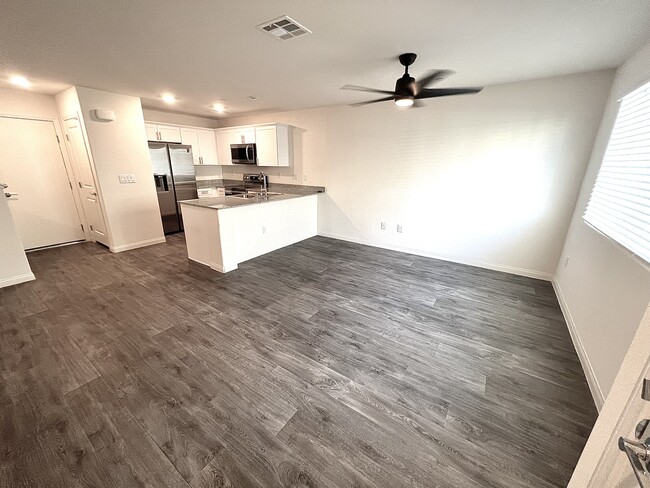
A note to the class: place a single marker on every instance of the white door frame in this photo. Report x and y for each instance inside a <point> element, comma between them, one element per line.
<point>623,408</point>
<point>67,163</point>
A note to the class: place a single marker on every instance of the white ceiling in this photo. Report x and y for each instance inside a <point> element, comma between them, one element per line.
<point>206,50</point>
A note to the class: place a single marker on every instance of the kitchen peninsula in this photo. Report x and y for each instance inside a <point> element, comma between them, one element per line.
<point>222,232</point>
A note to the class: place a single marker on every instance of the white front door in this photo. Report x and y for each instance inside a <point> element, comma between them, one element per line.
<point>86,181</point>
<point>603,464</point>
<point>32,164</point>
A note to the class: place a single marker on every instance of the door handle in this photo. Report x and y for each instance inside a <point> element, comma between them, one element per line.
<point>9,194</point>
<point>638,452</point>
<point>4,185</point>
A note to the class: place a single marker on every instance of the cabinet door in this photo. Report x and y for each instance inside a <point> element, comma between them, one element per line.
<point>225,138</point>
<point>208,145</point>
<point>191,138</point>
<point>152,132</point>
<point>248,135</point>
<point>169,133</point>
<point>267,146</point>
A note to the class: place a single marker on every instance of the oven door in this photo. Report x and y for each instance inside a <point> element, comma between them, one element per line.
<point>243,153</point>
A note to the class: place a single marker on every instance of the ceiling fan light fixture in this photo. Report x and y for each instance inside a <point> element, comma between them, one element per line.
<point>404,102</point>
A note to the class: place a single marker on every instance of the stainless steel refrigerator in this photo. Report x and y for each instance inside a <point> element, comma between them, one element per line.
<point>173,172</point>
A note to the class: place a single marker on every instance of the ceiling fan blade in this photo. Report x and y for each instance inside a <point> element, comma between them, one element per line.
<point>431,77</point>
<point>366,89</point>
<point>359,104</point>
<point>444,92</point>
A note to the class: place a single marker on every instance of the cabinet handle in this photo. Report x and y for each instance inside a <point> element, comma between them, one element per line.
<point>159,138</point>
<point>201,158</point>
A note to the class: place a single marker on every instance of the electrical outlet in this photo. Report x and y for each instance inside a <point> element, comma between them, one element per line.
<point>263,229</point>
<point>566,261</point>
<point>399,228</point>
<point>126,178</point>
<point>383,226</point>
<point>304,177</point>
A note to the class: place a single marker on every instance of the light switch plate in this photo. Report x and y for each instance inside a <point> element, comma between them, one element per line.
<point>126,178</point>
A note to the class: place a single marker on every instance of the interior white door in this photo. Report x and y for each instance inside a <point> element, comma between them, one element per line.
<point>86,182</point>
<point>31,163</point>
<point>602,463</point>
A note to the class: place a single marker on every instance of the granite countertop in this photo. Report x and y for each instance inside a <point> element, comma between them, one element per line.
<point>277,187</point>
<point>222,203</point>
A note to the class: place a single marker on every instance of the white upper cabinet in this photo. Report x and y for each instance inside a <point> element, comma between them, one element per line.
<point>247,135</point>
<point>191,138</point>
<point>272,142</point>
<point>152,132</point>
<point>273,145</point>
<point>163,133</point>
<point>208,146</point>
<point>203,142</point>
<point>226,137</point>
<point>267,146</point>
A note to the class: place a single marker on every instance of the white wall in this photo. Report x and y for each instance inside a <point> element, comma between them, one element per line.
<point>27,103</point>
<point>489,179</point>
<point>604,291</point>
<point>14,267</point>
<point>131,210</point>
<point>151,115</point>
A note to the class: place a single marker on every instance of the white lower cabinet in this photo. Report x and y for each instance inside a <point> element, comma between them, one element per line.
<point>223,238</point>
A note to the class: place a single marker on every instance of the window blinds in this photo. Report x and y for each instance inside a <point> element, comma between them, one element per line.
<point>619,206</point>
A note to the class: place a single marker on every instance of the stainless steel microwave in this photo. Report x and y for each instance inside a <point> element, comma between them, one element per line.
<point>243,153</point>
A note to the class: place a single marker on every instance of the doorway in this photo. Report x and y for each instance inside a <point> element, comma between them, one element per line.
<point>86,181</point>
<point>42,201</point>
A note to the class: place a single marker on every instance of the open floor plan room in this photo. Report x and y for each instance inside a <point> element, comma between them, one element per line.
<point>325,244</point>
<point>353,366</point>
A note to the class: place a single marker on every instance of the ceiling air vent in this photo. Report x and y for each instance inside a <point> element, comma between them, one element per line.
<point>283,28</point>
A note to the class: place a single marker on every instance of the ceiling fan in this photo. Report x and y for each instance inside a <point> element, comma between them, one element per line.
<point>408,90</point>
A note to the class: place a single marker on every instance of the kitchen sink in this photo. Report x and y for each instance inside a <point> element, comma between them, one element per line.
<point>249,195</point>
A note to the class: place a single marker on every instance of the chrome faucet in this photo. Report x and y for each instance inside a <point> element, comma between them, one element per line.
<point>264,186</point>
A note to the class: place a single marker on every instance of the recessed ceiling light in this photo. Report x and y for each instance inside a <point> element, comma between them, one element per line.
<point>219,108</point>
<point>168,98</point>
<point>20,81</point>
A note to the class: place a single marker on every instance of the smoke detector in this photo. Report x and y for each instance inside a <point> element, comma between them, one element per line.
<point>283,28</point>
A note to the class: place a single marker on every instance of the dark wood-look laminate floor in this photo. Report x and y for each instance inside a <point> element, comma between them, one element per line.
<point>324,364</point>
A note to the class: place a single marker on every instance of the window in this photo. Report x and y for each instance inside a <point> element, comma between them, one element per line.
<point>619,206</point>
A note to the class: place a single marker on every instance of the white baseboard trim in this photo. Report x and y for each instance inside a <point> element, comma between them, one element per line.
<point>594,387</point>
<point>223,269</point>
<point>530,273</point>
<point>15,280</point>
<point>136,245</point>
